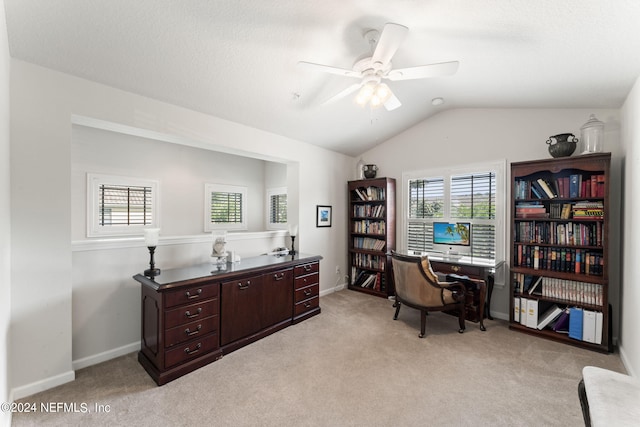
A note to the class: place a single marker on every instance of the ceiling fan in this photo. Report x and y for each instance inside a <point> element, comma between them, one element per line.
<point>377,67</point>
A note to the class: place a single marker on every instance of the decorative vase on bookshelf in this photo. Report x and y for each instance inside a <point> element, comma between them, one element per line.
<point>562,145</point>
<point>369,171</point>
<point>559,250</point>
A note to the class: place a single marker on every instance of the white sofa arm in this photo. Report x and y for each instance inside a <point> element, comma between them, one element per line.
<point>612,398</point>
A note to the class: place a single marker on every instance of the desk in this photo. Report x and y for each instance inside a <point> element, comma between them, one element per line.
<point>475,268</point>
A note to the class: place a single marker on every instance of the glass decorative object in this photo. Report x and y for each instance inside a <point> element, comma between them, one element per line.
<point>592,135</point>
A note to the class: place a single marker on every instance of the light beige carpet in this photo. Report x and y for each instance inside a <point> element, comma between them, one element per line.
<point>350,366</point>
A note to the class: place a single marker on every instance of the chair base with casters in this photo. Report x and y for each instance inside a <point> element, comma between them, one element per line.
<point>417,286</point>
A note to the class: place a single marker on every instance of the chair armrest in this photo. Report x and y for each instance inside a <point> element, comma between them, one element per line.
<point>457,288</point>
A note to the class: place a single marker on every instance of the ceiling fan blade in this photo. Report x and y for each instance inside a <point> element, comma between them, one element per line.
<point>348,91</point>
<point>424,71</point>
<point>392,103</point>
<point>390,39</point>
<point>329,69</point>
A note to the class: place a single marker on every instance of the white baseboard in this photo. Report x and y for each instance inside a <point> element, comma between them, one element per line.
<point>332,290</point>
<point>106,355</point>
<point>42,385</point>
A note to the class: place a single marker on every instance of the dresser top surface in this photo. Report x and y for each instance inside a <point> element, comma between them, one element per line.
<point>174,277</point>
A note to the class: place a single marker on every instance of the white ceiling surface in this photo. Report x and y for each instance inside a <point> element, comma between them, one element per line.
<point>236,59</point>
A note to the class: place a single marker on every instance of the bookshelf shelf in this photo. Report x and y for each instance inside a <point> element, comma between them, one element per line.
<point>371,235</point>
<point>559,249</point>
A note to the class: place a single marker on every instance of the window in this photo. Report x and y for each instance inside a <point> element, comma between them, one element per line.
<point>225,207</point>
<point>120,205</point>
<point>472,194</point>
<point>276,208</point>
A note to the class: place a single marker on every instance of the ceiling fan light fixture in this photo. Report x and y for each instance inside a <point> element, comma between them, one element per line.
<point>383,92</point>
<point>365,93</point>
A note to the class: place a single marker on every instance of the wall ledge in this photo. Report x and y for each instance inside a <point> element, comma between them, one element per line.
<point>137,242</point>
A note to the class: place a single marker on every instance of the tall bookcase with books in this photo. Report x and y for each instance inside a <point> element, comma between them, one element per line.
<point>372,235</point>
<point>559,250</point>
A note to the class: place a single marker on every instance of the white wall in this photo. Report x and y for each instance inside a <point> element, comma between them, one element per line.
<point>46,269</point>
<point>630,295</point>
<point>466,136</point>
<point>181,171</point>
<point>5,223</point>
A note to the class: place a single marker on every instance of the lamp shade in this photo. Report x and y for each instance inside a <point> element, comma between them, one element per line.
<point>151,236</point>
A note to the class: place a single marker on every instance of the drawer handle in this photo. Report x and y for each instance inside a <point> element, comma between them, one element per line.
<point>197,294</point>
<point>191,316</point>
<point>243,286</point>
<point>455,268</point>
<point>307,267</point>
<point>307,292</point>
<point>307,304</point>
<point>278,276</point>
<point>191,333</point>
<point>195,350</point>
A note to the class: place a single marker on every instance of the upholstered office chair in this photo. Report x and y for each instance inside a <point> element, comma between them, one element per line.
<point>418,287</point>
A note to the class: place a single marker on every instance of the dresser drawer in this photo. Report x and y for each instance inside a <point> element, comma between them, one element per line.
<point>190,313</point>
<point>191,294</point>
<point>304,281</point>
<point>465,270</point>
<point>306,305</point>
<point>306,293</point>
<point>191,350</point>
<point>312,267</point>
<point>190,331</point>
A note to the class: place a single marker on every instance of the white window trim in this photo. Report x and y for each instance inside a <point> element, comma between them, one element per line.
<point>273,192</point>
<point>224,188</point>
<point>94,181</point>
<point>500,169</point>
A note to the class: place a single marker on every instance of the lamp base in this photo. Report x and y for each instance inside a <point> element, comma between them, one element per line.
<point>152,272</point>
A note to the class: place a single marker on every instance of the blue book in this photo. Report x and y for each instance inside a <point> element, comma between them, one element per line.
<point>574,186</point>
<point>575,323</point>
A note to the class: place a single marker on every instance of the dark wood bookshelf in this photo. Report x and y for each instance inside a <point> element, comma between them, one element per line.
<point>372,221</point>
<point>574,268</point>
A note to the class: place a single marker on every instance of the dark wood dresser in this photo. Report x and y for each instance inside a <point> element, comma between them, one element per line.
<point>193,316</point>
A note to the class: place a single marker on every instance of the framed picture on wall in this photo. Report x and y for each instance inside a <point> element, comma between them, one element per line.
<point>323,216</point>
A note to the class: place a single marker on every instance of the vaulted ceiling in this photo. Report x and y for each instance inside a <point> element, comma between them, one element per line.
<point>237,59</point>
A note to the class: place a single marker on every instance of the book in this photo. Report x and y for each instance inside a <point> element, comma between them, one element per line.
<point>523,311</point>
<point>532,313</point>
<point>547,189</point>
<point>589,326</point>
<point>575,323</point>
<point>535,285</point>
<point>516,309</point>
<point>575,182</point>
<point>549,316</point>
<point>561,324</point>
<point>598,337</point>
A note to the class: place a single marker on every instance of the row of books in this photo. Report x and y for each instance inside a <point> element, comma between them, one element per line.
<point>366,226</point>
<point>582,210</point>
<point>588,210</point>
<point>375,211</point>
<point>565,187</point>
<point>578,323</point>
<point>370,193</point>
<point>366,279</point>
<point>369,261</point>
<point>368,243</point>
<point>570,233</point>
<point>562,259</point>
<point>561,289</point>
